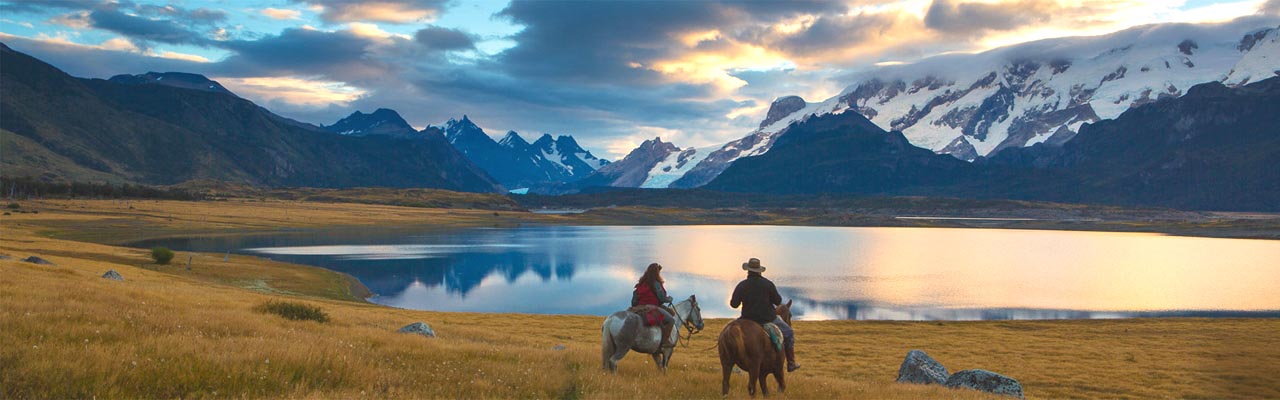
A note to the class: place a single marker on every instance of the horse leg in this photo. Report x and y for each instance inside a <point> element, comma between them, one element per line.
<point>753,373</point>
<point>659,361</point>
<point>606,350</point>
<point>782,383</point>
<point>764,384</point>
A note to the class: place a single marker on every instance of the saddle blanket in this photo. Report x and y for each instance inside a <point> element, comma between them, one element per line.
<point>775,335</point>
<point>649,313</point>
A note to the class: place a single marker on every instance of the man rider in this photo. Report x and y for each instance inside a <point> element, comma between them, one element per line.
<point>758,297</point>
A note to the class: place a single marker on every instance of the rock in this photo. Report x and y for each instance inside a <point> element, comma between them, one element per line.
<point>37,260</point>
<point>986,381</point>
<point>558,347</point>
<point>420,328</point>
<point>113,275</point>
<point>5,257</point>
<point>918,367</point>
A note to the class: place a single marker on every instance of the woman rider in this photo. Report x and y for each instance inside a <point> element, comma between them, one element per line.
<point>649,291</point>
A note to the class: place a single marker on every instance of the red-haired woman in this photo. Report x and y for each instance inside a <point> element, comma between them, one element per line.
<point>649,291</point>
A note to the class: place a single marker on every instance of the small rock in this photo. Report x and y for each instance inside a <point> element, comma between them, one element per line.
<point>558,347</point>
<point>918,367</point>
<point>986,381</point>
<point>38,260</point>
<point>113,275</point>
<point>5,257</point>
<point>420,328</point>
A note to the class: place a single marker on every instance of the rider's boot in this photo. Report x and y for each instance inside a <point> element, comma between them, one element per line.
<point>791,359</point>
<point>666,334</point>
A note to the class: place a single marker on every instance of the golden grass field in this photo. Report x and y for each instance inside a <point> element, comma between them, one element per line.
<point>169,332</point>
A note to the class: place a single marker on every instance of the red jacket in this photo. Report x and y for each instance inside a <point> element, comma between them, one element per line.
<point>644,295</point>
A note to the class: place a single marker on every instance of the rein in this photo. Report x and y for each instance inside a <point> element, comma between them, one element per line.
<point>688,325</point>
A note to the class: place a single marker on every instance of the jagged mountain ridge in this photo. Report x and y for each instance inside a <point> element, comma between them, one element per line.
<point>1214,148</point>
<point>166,134</point>
<point>515,162</point>
<point>973,105</point>
<point>382,121</point>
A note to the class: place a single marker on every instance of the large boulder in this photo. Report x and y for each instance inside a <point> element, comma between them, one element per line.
<point>419,328</point>
<point>986,381</point>
<point>113,275</point>
<point>38,260</point>
<point>918,367</point>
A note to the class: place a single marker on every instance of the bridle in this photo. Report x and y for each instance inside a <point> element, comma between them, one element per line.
<point>689,326</point>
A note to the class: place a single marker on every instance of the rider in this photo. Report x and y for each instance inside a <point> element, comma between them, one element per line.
<point>758,297</point>
<point>649,291</point>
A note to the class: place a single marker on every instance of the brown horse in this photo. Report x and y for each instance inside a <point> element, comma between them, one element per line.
<point>746,344</point>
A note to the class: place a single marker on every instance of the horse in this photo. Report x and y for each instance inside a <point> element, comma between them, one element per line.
<point>745,343</point>
<point>624,331</point>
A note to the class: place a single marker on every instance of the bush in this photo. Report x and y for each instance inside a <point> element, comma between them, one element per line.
<point>14,206</point>
<point>161,255</point>
<point>294,311</point>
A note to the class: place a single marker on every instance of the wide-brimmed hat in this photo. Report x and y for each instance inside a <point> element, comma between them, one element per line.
<point>753,265</point>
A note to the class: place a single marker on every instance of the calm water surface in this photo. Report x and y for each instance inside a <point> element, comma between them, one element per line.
<point>832,273</point>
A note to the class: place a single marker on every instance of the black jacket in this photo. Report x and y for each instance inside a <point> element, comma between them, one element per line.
<point>757,296</point>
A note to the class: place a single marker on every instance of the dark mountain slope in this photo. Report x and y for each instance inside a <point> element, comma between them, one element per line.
<point>1213,148</point>
<point>841,153</point>
<point>158,134</point>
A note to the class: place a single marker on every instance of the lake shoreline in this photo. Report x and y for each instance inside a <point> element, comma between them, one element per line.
<point>193,333</point>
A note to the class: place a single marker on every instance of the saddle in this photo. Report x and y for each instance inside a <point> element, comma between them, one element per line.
<point>775,334</point>
<point>649,313</point>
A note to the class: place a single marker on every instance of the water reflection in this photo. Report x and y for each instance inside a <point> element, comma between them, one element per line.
<point>833,273</point>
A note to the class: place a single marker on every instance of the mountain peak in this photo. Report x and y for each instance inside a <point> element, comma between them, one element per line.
<point>383,121</point>
<point>184,80</point>
<point>781,108</point>
<point>513,140</point>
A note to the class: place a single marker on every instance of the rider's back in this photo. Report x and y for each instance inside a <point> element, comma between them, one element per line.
<point>757,295</point>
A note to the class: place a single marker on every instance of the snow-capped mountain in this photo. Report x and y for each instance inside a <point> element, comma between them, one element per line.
<point>515,162</point>
<point>633,170</point>
<point>380,122</point>
<point>973,105</point>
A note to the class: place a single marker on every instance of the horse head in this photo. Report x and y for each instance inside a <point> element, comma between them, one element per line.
<point>695,312</point>
<point>784,311</point>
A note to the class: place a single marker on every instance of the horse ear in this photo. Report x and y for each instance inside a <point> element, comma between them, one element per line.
<point>789,302</point>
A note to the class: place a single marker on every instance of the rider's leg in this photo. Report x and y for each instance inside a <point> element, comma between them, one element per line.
<point>788,343</point>
<point>668,322</point>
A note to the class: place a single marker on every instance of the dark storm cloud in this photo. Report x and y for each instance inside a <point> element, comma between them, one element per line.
<point>962,17</point>
<point>139,28</point>
<point>299,51</point>
<point>597,41</point>
<point>438,38</point>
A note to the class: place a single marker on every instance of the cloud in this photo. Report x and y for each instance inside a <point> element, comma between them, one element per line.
<point>389,11</point>
<point>1271,7</point>
<point>438,38</point>
<point>200,16</point>
<point>339,54</point>
<point>36,6</point>
<point>295,91</point>
<point>153,30</point>
<point>277,13</point>
<point>968,17</point>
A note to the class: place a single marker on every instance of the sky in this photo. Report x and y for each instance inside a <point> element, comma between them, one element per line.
<point>610,73</point>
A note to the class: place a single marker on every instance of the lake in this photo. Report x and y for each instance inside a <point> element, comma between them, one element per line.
<point>831,272</point>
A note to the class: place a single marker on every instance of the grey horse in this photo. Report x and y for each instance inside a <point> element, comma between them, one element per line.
<point>625,331</point>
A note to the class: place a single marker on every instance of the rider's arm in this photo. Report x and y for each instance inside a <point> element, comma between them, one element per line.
<point>774,297</point>
<point>635,299</point>
<point>660,292</point>
<point>736,299</point>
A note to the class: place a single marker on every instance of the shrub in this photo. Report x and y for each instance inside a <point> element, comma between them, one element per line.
<point>294,311</point>
<point>14,206</point>
<point>161,255</point>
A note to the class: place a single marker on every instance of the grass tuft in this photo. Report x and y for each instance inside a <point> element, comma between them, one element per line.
<point>162,255</point>
<point>294,311</point>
